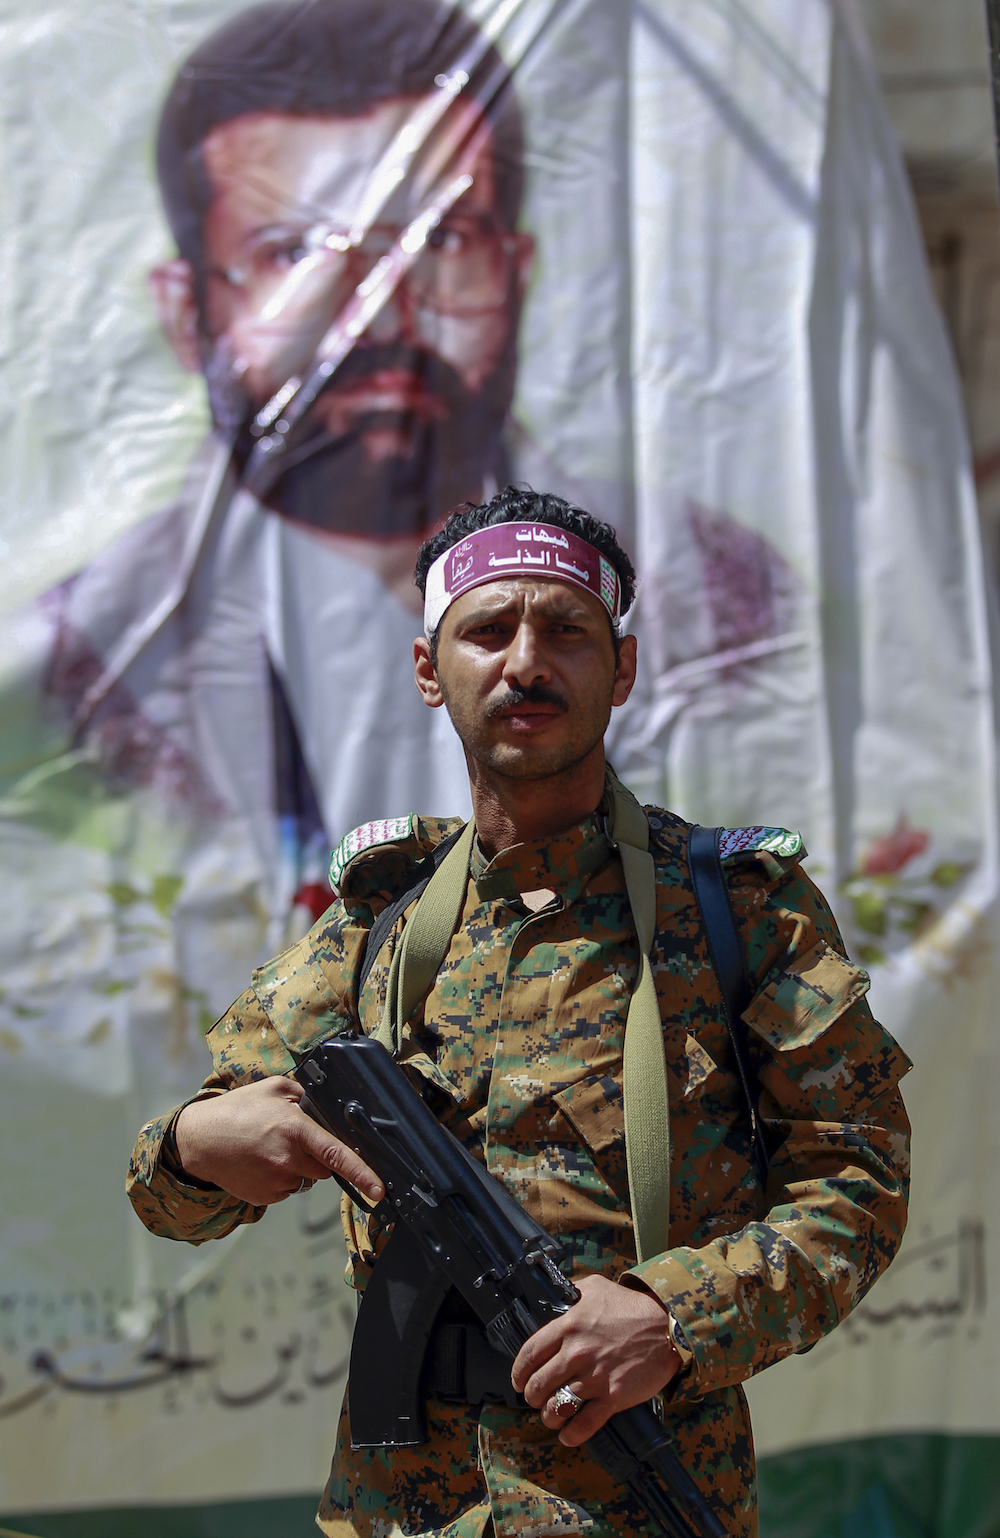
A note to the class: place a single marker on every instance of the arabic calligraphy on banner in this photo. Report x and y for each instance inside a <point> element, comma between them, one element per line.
<point>237,1341</point>
<point>262,1340</point>
<point>896,1353</point>
<point>934,1289</point>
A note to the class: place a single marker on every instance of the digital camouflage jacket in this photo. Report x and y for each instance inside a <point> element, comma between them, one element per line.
<point>519,1051</point>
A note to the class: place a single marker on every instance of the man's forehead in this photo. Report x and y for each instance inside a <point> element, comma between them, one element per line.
<point>278,165</point>
<point>532,594</point>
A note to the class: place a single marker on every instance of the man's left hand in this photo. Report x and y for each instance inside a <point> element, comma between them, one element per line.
<point>613,1348</point>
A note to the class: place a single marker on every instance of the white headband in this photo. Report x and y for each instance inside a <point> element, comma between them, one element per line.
<point>518,549</point>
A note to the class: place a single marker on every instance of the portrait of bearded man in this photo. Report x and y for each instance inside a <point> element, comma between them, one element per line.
<point>241,666</point>
<point>270,142</point>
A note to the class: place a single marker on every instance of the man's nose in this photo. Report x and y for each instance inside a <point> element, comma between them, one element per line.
<point>395,320</point>
<point>525,662</point>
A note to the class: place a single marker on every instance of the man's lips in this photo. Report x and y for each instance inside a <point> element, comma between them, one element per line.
<point>394,390</point>
<point>529,716</point>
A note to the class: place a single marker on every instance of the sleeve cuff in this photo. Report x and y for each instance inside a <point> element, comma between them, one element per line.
<point>675,1388</point>
<point>170,1162</point>
<point>699,1325</point>
<point>167,1200</point>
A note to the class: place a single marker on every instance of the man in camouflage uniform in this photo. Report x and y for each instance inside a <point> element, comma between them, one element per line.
<point>518,1047</point>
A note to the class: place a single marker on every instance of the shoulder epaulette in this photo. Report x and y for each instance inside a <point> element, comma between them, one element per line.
<point>371,835</point>
<point>780,842</point>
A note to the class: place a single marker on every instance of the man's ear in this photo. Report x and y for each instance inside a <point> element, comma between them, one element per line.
<point>424,676</point>
<point>172,287</point>
<point>625,671</point>
<point>524,255</point>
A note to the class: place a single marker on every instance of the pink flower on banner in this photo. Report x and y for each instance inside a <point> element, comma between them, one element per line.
<point>891,852</point>
<point>315,897</point>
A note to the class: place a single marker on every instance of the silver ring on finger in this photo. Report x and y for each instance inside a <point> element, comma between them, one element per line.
<point>566,1398</point>
<point>304,1184</point>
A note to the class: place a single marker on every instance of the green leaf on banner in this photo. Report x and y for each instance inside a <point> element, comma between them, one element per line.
<point>164,893</point>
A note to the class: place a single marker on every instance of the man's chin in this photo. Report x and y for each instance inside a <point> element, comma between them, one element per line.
<point>532,761</point>
<point>382,443</point>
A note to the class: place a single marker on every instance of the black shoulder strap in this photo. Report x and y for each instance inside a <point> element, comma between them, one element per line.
<point>727,955</point>
<point>379,932</point>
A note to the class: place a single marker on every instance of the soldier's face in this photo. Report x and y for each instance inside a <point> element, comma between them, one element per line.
<point>411,420</point>
<point>528,673</point>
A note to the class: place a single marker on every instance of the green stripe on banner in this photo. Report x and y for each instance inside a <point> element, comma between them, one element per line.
<point>918,1486</point>
<point>291,1516</point>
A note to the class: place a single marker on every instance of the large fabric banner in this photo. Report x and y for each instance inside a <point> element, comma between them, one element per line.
<point>284,283</point>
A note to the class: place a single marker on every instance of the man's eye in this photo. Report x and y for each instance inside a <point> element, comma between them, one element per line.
<point>285,256</point>
<point>446,240</point>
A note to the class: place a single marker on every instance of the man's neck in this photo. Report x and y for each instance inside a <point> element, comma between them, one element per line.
<point>515,811</point>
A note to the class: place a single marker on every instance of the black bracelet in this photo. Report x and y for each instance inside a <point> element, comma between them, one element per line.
<point>171,1161</point>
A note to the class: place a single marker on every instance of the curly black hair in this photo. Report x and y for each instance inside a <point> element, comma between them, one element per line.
<point>519,504</point>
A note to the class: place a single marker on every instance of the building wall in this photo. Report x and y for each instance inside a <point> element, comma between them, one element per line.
<point>932,56</point>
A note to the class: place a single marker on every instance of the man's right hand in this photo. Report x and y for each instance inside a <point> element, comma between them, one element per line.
<point>258,1144</point>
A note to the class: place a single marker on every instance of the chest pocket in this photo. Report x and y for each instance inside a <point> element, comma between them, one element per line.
<point>595,1109</point>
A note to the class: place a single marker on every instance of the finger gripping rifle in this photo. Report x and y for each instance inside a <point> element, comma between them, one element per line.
<point>455,1226</point>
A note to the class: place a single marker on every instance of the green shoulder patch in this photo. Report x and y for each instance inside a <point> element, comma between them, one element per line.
<point>780,842</point>
<point>371,835</point>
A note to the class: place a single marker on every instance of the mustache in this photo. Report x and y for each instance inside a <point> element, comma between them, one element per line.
<point>538,694</point>
<point>364,360</point>
<point>232,407</point>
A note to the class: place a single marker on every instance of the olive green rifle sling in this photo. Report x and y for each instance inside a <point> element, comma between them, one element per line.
<point>427,938</point>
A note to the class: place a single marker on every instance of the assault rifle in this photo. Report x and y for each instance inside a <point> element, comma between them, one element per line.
<point>457,1227</point>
